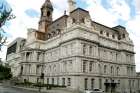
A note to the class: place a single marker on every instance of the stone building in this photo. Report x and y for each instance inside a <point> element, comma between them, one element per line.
<point>78,52</point>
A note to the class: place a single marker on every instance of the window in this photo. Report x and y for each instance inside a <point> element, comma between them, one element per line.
<point>69,81</point>
<point>57,81</point>
<point>73,20</point>
<point>105,68</point>
<point>92,83</point>
<point>82,20</point>
<point>37,69</point>
<point>101,32</point>
<point>47,80</point>
<point>112,70</point>
<point>133,83</point>
<point>63,81</point>
<point>100,83</point>
<point>52,81</point>
<point>119,37</point>
<point>84,66</point>
<point>38,56</point>
<point>84,49</point>
<point>99,67</point>
<point>123,35</point>
<point>86,83</point>
<point>118,70</point>
<point>113,36</point>
<point>90,50</point>
<point>107,34</point>
<point>90,66</point>
<point>28,56</point>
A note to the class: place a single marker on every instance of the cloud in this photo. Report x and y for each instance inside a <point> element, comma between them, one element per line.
<point>100,14</point>
<point>32,13</point>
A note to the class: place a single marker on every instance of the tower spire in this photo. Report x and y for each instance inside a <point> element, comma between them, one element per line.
<point>72,5</point>
<point>46,16</point>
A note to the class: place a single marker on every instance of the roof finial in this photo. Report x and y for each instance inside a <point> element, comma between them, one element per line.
<point>65,12</point>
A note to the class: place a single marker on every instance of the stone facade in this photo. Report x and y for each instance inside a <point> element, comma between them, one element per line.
<point>79,53</point>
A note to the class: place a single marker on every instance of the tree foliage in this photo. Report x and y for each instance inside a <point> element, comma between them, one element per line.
<point>5,72</point>
<point>5,15</point>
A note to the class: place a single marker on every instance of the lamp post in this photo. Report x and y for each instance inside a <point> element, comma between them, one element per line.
<point>41,81</point>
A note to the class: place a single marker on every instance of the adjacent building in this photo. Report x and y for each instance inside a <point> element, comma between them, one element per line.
<point>77,52</point>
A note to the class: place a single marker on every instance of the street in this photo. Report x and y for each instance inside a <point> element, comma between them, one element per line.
<point>14,90</point>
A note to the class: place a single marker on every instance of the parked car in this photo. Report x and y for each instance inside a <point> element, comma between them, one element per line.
<point>94,91</point>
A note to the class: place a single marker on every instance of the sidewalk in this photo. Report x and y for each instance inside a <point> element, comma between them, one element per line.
<point>55,90</point>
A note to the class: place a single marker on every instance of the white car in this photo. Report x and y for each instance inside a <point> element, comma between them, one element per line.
<point>94,91</point>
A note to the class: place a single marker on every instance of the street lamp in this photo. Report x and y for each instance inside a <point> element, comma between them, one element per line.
<point>41,81</point>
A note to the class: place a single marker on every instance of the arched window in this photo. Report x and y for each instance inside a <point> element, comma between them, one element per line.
<point>90,50</point>
<point>112,70</point>
<point>118,70</point>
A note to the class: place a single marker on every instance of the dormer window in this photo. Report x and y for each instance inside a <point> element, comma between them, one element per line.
<point>123,35</point>
<point>73,20</point>
<point>113,36</point>
<point>83,20</point>
<point>107,34</point>
<point>119,37</point>
<point>101,32</point>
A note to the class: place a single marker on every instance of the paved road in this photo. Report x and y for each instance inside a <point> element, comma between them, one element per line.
<point>14,90</point>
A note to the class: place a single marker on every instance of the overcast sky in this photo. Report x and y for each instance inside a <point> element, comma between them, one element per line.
<point>107,12</point>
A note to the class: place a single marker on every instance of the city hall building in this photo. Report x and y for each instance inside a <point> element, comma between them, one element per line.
<point>75,51</point>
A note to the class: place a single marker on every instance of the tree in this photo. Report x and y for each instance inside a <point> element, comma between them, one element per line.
<point>5,72</point>
<point>5,15</point>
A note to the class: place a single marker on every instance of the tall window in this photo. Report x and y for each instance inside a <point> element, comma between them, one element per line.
<point>92,83</point>
<point>84,66</point>
<point>63,81</point>
<point>53,81</point>
<point>105,69</point>
<point>90,66</point>
<point>38,56</point>
<point>69,81</point>
<point>86,83</point>
<point>99,67</point>
<point>118,70</point>
<point>112,70</point>
<point>28,56</point>
<point>84,49</point>
<point>47,80</point>
<point>100,83</point>
<point>21,71</point>
<point>90,50</point>
<point>57,81</point>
